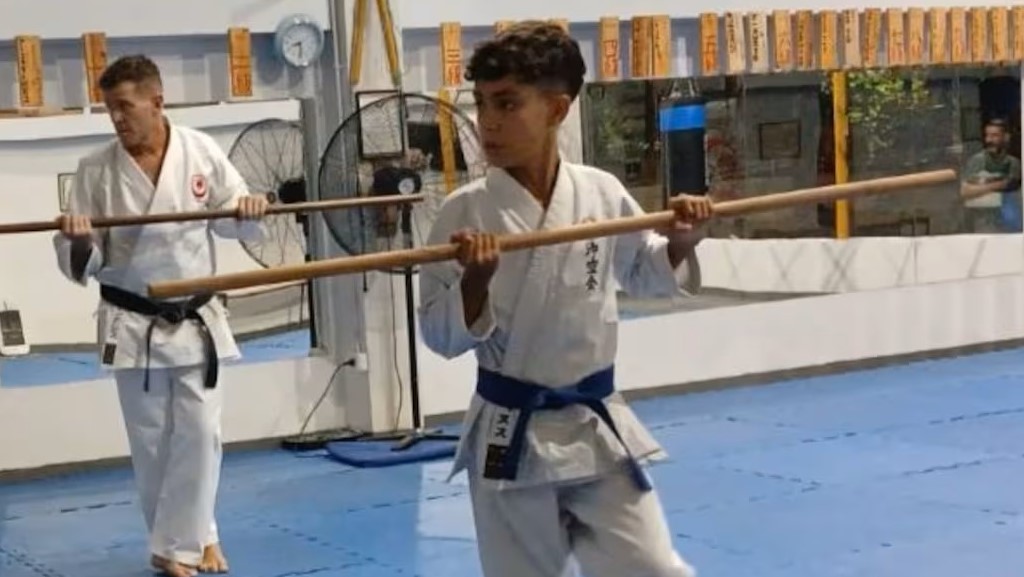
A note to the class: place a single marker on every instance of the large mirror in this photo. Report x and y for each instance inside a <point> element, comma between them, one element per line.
<point>774,133</point>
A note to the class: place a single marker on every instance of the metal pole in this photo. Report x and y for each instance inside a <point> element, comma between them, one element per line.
<point>339,33</point>
<point>311,138</point>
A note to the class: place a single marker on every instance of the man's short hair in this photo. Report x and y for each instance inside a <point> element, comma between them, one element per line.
<point>533,52</point>
<point>136,68</point>
<point>997,122</point>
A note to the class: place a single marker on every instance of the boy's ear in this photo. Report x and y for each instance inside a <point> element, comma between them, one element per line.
<point>560,104</point>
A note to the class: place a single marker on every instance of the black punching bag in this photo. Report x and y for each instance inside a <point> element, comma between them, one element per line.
<point>682,123</point>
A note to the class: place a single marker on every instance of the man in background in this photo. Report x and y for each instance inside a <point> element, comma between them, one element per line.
<point>991,183</point>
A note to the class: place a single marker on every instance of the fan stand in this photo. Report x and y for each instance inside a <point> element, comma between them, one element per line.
<point>392,443</point>
<point>409,439</point>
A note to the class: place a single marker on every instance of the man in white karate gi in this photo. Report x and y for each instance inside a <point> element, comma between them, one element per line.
<point>552,452</point>
<point>165,355</point>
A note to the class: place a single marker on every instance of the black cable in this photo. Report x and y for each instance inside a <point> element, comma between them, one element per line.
<point>316,441</point>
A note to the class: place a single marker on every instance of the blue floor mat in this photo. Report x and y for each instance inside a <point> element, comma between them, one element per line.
<point>382,453</point>
<point>904,471</point>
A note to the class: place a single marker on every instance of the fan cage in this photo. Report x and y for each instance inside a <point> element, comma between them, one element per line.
<point>394,130</point>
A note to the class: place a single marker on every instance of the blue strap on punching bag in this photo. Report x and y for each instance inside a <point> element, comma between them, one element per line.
<point>682,121</point>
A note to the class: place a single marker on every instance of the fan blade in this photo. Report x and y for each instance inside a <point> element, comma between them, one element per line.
<point>269,155</point>
<point>135,220</point>
<point>442,252</point>
<point>396,131</point>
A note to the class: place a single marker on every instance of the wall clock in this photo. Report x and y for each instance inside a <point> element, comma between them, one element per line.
<point>299,40</point>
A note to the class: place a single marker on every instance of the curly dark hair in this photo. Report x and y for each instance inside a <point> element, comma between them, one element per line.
<point>533,52</point>
<point>136,68</point>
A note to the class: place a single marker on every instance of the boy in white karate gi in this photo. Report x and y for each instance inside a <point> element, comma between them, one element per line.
<point>165,355</point>
<point>552,452</point>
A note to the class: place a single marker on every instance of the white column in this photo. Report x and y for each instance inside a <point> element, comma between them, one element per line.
<point>1020,79</point>
<point>385,401</point>
<point>353,313</point>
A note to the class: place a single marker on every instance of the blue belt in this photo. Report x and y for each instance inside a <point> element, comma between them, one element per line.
<point>526,397</point>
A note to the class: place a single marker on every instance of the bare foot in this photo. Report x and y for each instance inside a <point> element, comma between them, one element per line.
<point>171,568</point>
<point>213,560</point>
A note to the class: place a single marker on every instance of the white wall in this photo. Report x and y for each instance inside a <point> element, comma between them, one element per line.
<point>58,19</point>
<point>818,265</point>
<point>81,422</point>
<point>187,39</point>
<point>720,343</point>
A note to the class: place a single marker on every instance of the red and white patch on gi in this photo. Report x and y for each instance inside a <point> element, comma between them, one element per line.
<point>199,186</point>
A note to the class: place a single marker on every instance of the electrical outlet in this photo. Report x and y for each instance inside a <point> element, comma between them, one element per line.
<point>12,334</point>
<point>362,364</point>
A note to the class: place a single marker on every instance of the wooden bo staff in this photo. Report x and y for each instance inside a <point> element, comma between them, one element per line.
<point>135,220</point>
<point>533,239</point>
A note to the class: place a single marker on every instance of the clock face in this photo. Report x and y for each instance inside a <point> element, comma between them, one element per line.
<point>300,43</point>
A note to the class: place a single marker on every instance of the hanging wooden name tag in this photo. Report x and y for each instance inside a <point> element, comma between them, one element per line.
<point>783,24</point>
<point>29,53</point>
<point>611,51</point>
<point>1018,32</point>
<point>759,57</point>
<point>240,62</point>
<point>94,50</point>
<point>805,39</point>
<point>897,40</point>
<point>1000,34</point>
<point>451,54</point>
<point>851,39</point>
<point>979,34</point>
<point>735,43</point>
<point>915,36</point>
<point>938,36</point>
<point>959,49</point>
<point>661,46</point>
<point>642,64</point>
<point>872,37</point>
<point>828,24</point>
<point>709,44</point>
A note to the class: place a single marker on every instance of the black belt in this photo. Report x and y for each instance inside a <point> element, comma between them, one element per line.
<point>172,312</point>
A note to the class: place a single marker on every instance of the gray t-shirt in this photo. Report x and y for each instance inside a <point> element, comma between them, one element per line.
<point>1006,216</point>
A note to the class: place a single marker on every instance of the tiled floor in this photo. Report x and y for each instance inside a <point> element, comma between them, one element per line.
<point>916,470</point>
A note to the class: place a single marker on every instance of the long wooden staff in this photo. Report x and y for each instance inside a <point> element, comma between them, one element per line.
<point>135,220</point>
<point>442,252</point>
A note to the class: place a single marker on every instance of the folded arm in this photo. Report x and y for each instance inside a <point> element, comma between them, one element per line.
<point>973,187</point>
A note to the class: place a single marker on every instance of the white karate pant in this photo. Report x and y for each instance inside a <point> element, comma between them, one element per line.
<point>175,441</point>
<point>610,527</point>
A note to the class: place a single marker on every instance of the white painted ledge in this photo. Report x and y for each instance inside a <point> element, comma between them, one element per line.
<point>41,128</point>
<point>54,19</point>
